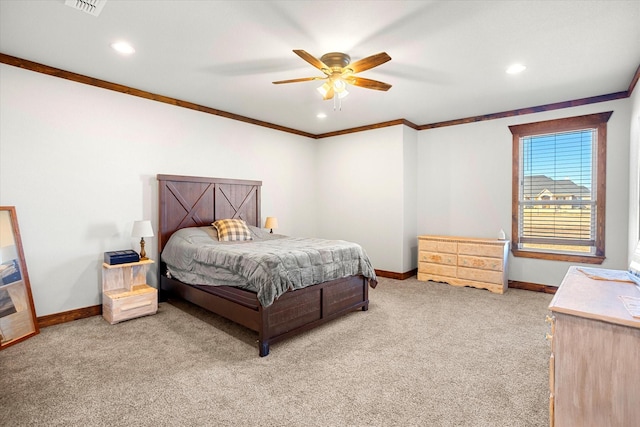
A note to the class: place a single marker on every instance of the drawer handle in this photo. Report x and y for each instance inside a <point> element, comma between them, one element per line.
<point>133,306</point>
<point>549,319</point>
<point>549,337</point>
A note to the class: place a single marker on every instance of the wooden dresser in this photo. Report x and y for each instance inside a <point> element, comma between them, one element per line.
<point>594,368</point>
<point>462,261</point>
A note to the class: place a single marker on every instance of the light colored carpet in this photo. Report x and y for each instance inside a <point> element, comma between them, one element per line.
<point>425,354</point>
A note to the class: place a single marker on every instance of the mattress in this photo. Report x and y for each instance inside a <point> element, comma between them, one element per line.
<point>269,264</point>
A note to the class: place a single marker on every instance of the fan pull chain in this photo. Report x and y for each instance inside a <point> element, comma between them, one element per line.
<point>339,103</point>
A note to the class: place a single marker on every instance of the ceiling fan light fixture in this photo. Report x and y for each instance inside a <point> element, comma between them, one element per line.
<point>324,90</point>
<point>339,88</point>
<point>339,72</point>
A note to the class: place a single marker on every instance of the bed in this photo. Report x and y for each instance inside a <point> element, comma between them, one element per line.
<point>187,202</point>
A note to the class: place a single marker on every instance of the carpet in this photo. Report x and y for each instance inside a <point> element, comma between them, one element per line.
<point>424,354</point>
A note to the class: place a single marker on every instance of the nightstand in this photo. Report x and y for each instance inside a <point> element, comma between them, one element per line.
<point>125,293</point>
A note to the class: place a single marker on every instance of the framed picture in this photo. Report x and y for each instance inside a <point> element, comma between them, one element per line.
<point>17,314</point>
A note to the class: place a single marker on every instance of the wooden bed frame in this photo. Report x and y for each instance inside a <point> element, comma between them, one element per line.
<point>186,201</point>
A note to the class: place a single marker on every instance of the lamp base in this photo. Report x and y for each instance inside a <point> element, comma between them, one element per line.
<point>143,254</point>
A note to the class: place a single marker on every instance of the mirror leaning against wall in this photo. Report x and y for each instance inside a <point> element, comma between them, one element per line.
<point>17,314</point>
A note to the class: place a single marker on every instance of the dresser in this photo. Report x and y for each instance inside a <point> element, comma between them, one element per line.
<point>594,367</point>
<point>464,261</point>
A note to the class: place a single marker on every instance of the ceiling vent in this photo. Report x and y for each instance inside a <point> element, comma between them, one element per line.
<point>92,7</point>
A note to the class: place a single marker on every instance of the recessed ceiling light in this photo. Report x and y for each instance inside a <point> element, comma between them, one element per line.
<point>516,68</point>
<point>321,115</point>
<point>123,48</point>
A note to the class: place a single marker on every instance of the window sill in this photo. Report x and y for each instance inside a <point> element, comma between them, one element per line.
<point>584,259</point>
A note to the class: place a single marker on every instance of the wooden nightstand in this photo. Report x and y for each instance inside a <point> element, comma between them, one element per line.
<point>125,294</point>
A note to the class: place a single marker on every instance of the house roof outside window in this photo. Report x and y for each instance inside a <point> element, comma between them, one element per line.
<point>538,186</point>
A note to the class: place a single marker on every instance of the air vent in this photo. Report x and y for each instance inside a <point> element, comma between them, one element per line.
<point>92,7</point>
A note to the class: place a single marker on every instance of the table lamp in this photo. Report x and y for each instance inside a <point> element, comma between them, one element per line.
<point>142,229</point>
<point>271,222</point>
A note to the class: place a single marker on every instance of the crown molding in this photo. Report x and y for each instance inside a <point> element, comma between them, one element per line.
<point>79,78</point>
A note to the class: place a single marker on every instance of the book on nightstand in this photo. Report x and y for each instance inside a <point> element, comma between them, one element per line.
<point>121,257</point>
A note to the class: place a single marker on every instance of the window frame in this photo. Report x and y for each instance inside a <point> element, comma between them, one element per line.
<point>596,121</point>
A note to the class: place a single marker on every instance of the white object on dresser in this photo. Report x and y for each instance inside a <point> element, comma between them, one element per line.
<point>125,293</point>
<point>464,261</point>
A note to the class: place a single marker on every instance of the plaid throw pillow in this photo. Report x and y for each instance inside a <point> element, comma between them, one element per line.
<point>232,229</point>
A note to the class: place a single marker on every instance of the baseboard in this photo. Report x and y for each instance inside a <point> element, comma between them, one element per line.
<point>514,284</point>
<point>533,287</point>
<point>68,316</point>
<point>96,310</point>
<point>397,276</point>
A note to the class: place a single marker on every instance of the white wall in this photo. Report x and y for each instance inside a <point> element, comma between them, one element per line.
<point>79,163</point>
<point>361,193</point>
<point>410,186</point>
<point>634,173</point>
<point>465,185</point>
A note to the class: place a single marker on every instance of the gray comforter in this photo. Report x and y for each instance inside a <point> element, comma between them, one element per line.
<point>269,265</point>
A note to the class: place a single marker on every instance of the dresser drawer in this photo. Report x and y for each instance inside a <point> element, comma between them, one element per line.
<point>482,263</point>
<point>493,251</point>
<point>480,275</point>
<point>437,269</point>
<point>438,258</point>
<point>438,246</point>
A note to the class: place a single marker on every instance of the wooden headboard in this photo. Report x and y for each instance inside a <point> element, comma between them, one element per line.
<point>191,201</point>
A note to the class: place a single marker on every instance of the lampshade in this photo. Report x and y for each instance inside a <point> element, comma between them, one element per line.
<point>339,88</point>
<point>271,222</point>
<point>324,89</point>
<point>142,229</point>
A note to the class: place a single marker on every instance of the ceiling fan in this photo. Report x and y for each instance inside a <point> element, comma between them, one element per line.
<point>339,71</point>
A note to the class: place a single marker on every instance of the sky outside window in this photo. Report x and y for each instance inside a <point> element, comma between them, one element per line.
<point>560,156</point>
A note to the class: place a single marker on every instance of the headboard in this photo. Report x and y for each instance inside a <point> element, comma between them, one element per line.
<point>191,201</point>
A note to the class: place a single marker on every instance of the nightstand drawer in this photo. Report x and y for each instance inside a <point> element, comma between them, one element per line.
<point>119,305</point>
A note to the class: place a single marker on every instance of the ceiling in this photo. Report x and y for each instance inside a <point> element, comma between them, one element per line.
<point>448,57</point>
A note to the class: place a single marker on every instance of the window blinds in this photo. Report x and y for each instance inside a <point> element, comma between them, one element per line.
<point>557,189</point>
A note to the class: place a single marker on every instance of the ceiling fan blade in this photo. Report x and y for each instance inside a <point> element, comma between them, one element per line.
<point>304,79</point>
<point>369,62</point>
<point>313,61</point>
<point>367,83</point>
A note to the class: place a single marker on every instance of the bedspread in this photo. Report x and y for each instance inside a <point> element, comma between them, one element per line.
<point>269,265</point>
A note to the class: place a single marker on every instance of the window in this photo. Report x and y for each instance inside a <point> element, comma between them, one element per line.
<point>559,189</point>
